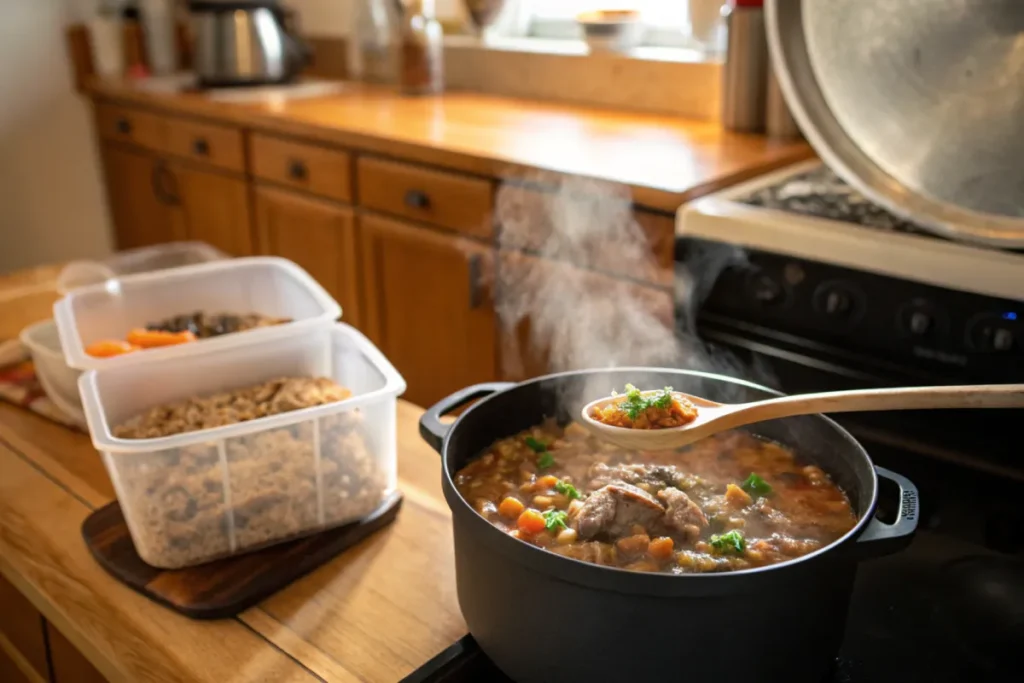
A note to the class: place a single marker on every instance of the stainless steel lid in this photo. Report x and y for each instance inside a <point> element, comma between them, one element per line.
<point>919,104</point>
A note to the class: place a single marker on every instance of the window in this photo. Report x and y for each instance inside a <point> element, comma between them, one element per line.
<point>666,20</point>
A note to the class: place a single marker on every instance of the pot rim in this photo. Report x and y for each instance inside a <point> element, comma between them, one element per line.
<point>624,580</point>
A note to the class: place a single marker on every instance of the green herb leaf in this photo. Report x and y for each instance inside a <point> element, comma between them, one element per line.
<point>635,403</point>
<point>732,542</point>
<point>754,484</point>
<point>537,446</point>
<point>567,489</point>
<point>664,399</point>
<point>545,460</point>
<point>555,519</point>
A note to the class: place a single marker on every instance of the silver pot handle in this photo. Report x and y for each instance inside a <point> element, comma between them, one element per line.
<point>879,538</point>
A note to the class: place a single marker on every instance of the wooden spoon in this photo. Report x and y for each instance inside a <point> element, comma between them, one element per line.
<point>717,417</point>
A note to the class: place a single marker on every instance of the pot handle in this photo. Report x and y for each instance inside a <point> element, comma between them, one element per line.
<point>433,430</point>
<point>880,538</point>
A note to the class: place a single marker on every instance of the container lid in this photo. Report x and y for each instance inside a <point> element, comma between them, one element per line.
<point>916,104</point>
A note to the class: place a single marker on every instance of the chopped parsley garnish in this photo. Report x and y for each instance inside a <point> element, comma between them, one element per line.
<point>545,460</point>
<point>567,490</point>
<point>754,484</point>
<point>537,446</point>
<point>732,542</point>
<point>555,519</point>
<point>635,402</point>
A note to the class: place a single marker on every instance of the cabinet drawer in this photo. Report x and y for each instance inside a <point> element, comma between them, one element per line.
<point>21,626</point>
<point>445,199</point>
<point>210,143</point>
<point>136,126</point>
<point>320,170</point>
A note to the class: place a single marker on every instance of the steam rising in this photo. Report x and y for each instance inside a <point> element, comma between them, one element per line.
<point>584,315</point>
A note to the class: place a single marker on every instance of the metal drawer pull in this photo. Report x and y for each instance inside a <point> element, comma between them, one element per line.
<point>124,126</point>
<point>297,170</point>
<point>415,199</point>
<point>201,147</point>
<point>476,289</point>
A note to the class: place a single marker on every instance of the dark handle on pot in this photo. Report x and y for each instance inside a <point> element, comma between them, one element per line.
<point>415,199</point>
<point>880,538</point>
<point>431,428</point>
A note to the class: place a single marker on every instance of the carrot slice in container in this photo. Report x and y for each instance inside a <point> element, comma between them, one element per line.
<point>108,348</point>
<point>151,339</point>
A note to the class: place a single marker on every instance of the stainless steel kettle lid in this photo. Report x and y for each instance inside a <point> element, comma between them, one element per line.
<point>919,104</point>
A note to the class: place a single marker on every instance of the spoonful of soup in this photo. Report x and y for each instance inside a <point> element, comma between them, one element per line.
<point>663,418</point>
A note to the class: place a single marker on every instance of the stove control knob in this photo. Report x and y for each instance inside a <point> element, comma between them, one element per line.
<point>838,301</point>
<point>765,289</point>
<point>994,334</point>
<point>1002,339</point>
<point>919,323</point>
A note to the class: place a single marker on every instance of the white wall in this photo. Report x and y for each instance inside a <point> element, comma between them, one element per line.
<point>51,199</point>
<point>334,17</point>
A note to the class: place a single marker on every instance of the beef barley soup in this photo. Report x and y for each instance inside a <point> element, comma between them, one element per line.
<point>729,502</point>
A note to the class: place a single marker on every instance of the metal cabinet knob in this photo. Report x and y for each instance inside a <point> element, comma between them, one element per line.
<point>415,199</point>
<point>124,126</point>
<point>297,170</point>
<point>201,147</point>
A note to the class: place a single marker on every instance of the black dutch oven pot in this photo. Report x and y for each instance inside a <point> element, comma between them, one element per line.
<point>544,618</point>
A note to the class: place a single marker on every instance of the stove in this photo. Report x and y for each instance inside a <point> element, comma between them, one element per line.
<point>799,280</point>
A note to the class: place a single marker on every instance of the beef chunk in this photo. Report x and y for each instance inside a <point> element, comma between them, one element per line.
<point>654,476</point>
<point>590,551</point>
<point>683,515</point>
<point>615,508</point>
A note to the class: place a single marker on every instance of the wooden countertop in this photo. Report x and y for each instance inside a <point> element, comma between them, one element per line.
<point>665,160</point>
<point>375,613</point>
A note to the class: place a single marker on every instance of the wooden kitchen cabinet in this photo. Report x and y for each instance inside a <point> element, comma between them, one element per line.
<point>428,305</point>
<point>319,236</point>
<point>22,640</point>
<point>141,213</point>
<point>70,665</point>
<point>211,207</point>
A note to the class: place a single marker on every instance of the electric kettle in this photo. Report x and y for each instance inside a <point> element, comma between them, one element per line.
<point>244,42</point>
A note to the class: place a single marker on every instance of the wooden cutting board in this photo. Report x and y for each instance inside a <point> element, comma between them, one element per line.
<point>222,588</point>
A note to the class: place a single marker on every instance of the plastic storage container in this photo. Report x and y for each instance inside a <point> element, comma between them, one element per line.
<point>194,497</point>
<point>141,260</point>
<point>269,286</point>
<point>59,381</point>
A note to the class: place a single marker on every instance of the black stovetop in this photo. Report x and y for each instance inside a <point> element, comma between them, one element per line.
<point>823,194</point>
<point>948,609</point>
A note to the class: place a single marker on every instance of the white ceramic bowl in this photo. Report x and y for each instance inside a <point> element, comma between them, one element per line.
<point>611,30</point>
<point>59,381</point>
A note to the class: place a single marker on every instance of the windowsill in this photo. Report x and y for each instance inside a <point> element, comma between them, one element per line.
<point>579,48</point>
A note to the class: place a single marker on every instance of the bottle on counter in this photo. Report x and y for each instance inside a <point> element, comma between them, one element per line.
<point>159,24</point>
<point>779,121</point>
<point>421,41</point>
<point>745,85</point>
<point>106,38</point>
<point>373,53</point>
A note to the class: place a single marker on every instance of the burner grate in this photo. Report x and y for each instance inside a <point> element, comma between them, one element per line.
<point>823,194</point>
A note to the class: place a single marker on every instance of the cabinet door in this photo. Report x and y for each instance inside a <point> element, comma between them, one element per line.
<point>212,207</point>
<point>70,665</point>
<point>585,326</point>
<point>428,306</point>
<point>21,630</point>
<point>141,215</point>
<point>317,235</point>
